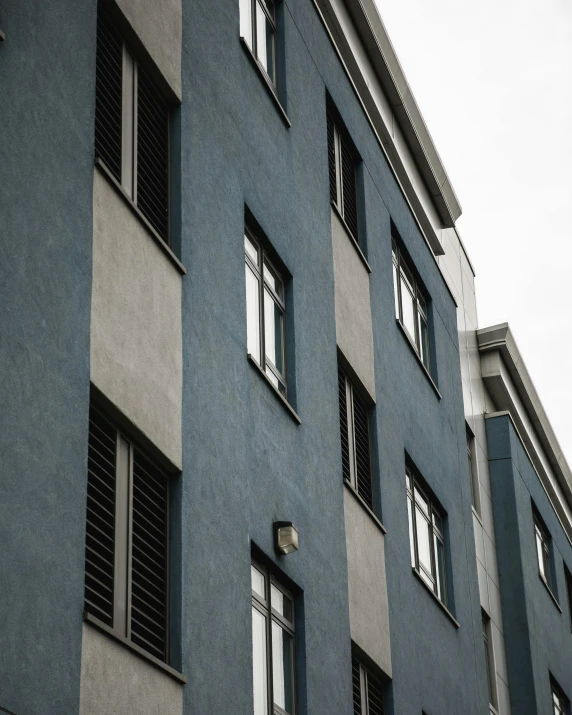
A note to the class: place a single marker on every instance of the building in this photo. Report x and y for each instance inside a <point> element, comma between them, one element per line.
<point>254,309</point>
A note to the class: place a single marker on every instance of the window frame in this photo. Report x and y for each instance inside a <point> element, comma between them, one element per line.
<point>402,271</point>
<point>351,393</point>
<point>568,580</point>
<point>365,673</point>
<point>473,471</point>
<point>129,150</point>
<point>264,607</point>
<point>121,619</point>
<point>438,586</point>
<point>252,40</point>
<point>543,548</point>
<point>559,702</point>
<point>262,360</point>
<point>489,659</point>
<point>341,141</point>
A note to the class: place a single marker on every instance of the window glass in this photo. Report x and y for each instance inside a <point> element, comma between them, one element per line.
<point>265,41</point>
<point>282,667</point>
<point>408,309</point>
<point>411,537</point>
<point>423,341</point>
<point>273,280</point>
<point>259,663</point>
<point>245,9</point>
<point>395,291</point>
<point>251,249</point>
<point>423,541</point>
<point>273,332</point>
<point>281,603</point>
<point>258,585</point>
<point>253,313</point>
<point>540,554</point>
<point>421,501</point>
<point>440,567</point>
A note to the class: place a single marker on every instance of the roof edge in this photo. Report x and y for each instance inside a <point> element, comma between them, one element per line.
<point>499,337</point>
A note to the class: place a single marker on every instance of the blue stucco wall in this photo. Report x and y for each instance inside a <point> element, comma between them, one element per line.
<point>47,75</point>
<point>246,462</point>
<point>537,633</point>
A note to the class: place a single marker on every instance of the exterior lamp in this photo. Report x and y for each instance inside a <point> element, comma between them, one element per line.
<point>285,537</point>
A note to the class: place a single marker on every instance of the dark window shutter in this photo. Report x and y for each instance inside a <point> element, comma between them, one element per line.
<point>344,424</point>
<point>152,154</point>
<point>363,461</point>
<point>349,188</point>
<point>149,557</point>
<point>332,158</point>
<point>108,85</point>
<point>356,687</point>
<point>100,524</point>
<point>375,695</point>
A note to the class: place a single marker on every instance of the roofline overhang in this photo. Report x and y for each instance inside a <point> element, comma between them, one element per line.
<point>375,39</point>
<point>499,339</point>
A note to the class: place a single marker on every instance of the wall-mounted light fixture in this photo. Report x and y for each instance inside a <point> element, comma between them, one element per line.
<point>285,537</point>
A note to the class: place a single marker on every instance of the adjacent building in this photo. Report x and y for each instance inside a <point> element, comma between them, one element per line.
<point>256,454</point>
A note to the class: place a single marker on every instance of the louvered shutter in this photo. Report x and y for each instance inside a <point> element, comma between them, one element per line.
<point>356,687</point>
<point>375,689</point>
<point>344,424</point>
<point>332,158</point>
<point>100,524</point>
<point>362,449</point>
<point>108,86</point>
<point>152,154</point>
<point>149,557</point>
<point>349,198</point>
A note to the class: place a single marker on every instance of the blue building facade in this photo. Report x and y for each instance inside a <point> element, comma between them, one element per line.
<point>233,299</point>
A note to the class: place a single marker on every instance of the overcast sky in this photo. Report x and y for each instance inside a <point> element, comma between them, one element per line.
<point>493,80</point>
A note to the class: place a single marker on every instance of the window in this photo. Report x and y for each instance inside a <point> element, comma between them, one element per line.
<point>475,496</point>
<point>560,703</point>
<point>265,312</point>
<point>427,537</point>
<point>127,541</point>
<point>489,660</point>
<point>410,305</point>
<point>568,577</point>
<point>258,29</point>
<point>368,690</point>
<point>131,126</point>
<point>543,549</point>
<point>342,162</point>
<point>273,647</point>
<point>354,432</point>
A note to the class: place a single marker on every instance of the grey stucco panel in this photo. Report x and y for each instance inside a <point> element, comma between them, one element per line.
<point>159,27</point>
<point>367,588</point>
<point>353,309</point>
<point>136,334</point>
<point>115,681</point>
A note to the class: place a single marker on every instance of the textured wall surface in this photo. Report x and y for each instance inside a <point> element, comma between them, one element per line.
<point>136,352</point>
<point>353,310</point>
<point>369,612</point>
<point>47,84</point>
<point>115,681</point>
<point>158,26</point>
<point>537,632</point>
<point>247,459</point>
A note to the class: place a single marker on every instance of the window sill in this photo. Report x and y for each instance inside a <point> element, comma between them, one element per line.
<point>355,244</point>
<point>139,214</point>
<point>552,596</point>
<point>367,509</point>
<point>267,83</point>
<point>92,620</point>
<point>414,349</point>
<point>436,599</point>
<point>282,399</point>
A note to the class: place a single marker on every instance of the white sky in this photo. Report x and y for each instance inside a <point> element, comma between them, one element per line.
<point>493,80</point>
